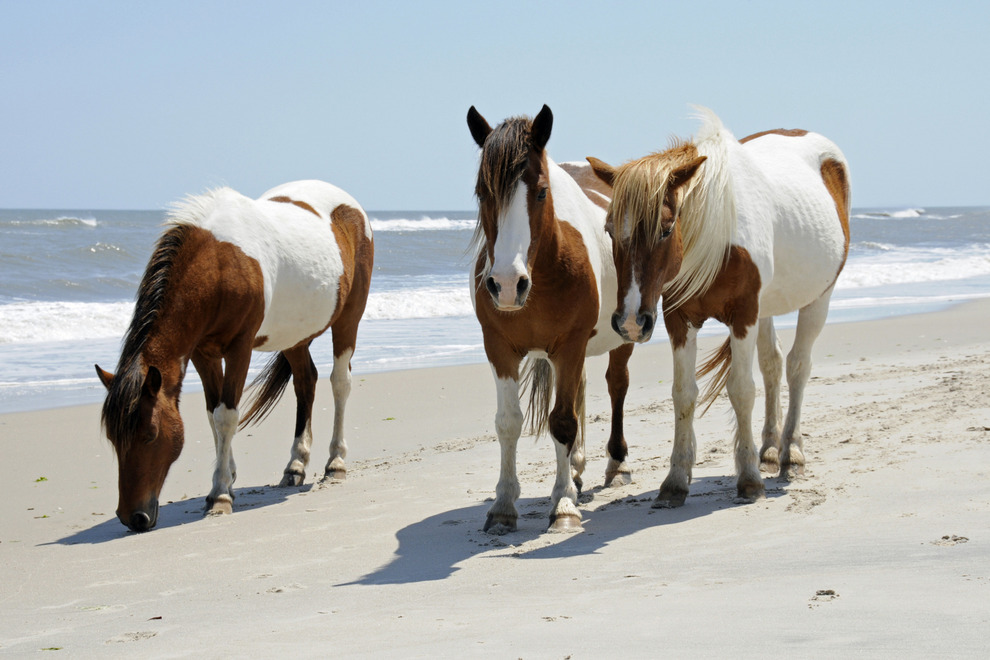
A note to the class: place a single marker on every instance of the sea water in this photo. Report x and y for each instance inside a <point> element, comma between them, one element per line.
<point>68,279</point>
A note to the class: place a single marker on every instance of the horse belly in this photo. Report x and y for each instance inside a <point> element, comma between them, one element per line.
<point>301,296</point>
<point>807,262</point>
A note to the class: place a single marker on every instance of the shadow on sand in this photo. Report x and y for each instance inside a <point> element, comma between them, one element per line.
<point>183,512</point>
<point>432,548</point>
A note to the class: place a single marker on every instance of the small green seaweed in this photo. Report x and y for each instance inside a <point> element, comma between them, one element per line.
<point>40,479</point>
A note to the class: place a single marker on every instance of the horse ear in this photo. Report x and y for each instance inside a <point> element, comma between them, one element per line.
<point>105,376</point>
<point>683,174</point>
<point>602,170</point>
<point>541,128</point>
<point>479,127</point>
<point>152,383</point>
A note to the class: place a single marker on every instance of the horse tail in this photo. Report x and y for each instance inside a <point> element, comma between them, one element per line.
<point>719,362</point>
<point>539,381</point>
<point>267,389</point>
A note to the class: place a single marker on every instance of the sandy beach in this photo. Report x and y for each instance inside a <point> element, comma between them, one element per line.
<point>882,548</point>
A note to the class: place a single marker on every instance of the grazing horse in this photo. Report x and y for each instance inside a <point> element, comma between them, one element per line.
<point>230,275</point>
<point>544,287</point>
<point>739,231</point>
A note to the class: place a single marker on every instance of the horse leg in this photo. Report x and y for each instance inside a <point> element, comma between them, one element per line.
<point>742,395</point>
<point>617,473</point>
<point>225,418</point>
<point>771,366</point>
<point>304,377</point>
<point>577,453</point>
<point>340,381</point>
<point>811,320</point>
<point>502,515</point>
<point>674,489</point>
<point>563,422</point>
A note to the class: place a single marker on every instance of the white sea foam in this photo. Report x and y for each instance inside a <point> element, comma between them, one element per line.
<point>60,221</point>
<point>423,224</point>
<point>62,321</point>
<point>432,302</point>
<point>906,266</point>
<point>904,213</point>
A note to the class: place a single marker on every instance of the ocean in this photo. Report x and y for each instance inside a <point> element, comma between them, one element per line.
<point>68,279</point>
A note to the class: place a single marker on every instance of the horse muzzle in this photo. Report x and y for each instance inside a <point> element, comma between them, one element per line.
<point>142,518</point>
<point>508,296</point>
<point>637,329</point>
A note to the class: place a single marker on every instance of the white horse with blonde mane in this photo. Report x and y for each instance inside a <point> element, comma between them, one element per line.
<point>740,231</point>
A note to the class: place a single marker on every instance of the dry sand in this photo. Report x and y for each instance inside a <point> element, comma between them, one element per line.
<point>881,549</point>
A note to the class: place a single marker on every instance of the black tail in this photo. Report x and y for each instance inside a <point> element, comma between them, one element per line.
<point>267,389</point>
<point>539,379</point>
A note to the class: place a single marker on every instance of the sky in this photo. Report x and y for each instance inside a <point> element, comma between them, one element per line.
<point>132,105</point>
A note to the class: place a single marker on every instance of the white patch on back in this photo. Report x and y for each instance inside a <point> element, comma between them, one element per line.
<point>296,249</point>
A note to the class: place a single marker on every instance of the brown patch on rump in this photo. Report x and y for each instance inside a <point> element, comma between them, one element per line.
<point>837,183</point>
<point>357,252</point>
<point>288,200</point>
<point>786,132</point>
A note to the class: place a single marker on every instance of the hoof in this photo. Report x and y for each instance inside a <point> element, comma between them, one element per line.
<point>750,492</point>
<point>565,524</point>
<point>791,471</point>
<point>670,499</point>
<point>292,479</point>
<point>499,525</point>
<point>616,479</point>
<point>769,460</point>
<point>221,506</point>
<point>335,475</point>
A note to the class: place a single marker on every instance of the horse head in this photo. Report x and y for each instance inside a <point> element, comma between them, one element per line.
<point>142,421</point>
<point>515,204</point>
<point>646,237</point>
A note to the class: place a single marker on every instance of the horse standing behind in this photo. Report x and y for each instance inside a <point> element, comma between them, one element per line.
<point>740,231</point>
<point>544,287</point>
<point>231,275</point>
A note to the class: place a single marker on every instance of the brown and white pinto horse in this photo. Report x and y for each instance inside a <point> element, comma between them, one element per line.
<point>544,287</point>
<point>230,275</point>
<point>739,231</point>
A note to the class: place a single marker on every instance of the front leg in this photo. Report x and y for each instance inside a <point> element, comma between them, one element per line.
<point>617,473</point>
<point>502,515</point>
<point>563,422</point>
<point>742,394</point>
<point>221,497</point>
<point>674,490</point>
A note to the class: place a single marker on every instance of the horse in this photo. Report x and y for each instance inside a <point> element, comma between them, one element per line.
<point>739,231</point>
<point>543,289</point>
<point>227,276</point>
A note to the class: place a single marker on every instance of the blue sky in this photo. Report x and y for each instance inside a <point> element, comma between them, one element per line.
<point>132,105</point>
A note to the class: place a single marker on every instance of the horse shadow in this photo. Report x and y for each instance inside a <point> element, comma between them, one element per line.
<point>433,548</point>
<point>183,512</point>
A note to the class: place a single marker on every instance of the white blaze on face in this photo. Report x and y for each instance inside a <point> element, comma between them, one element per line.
<point>512,247</point>
<point>630,309</point>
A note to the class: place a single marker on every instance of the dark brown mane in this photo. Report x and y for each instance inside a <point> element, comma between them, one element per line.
<point>118,416</point>
<point>503,161</point>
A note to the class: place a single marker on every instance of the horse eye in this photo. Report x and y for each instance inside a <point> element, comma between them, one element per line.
<point>542,195</point>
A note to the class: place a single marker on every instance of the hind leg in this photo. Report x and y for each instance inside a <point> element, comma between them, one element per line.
<point>577,453</point>
<point>811,320</point>
<point>771,366</point>
<point>617,473</point>
<point>304,378</point>
<point>340,381</point>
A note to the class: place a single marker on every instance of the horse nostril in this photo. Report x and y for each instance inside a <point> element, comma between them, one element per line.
<point>522,286</point>
<point>615,325</point>
<point>646,321</point>
<point>492,286</point>
<point>140,521</point>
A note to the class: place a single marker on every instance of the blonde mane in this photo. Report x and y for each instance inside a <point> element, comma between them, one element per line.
<point>707,207</point>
